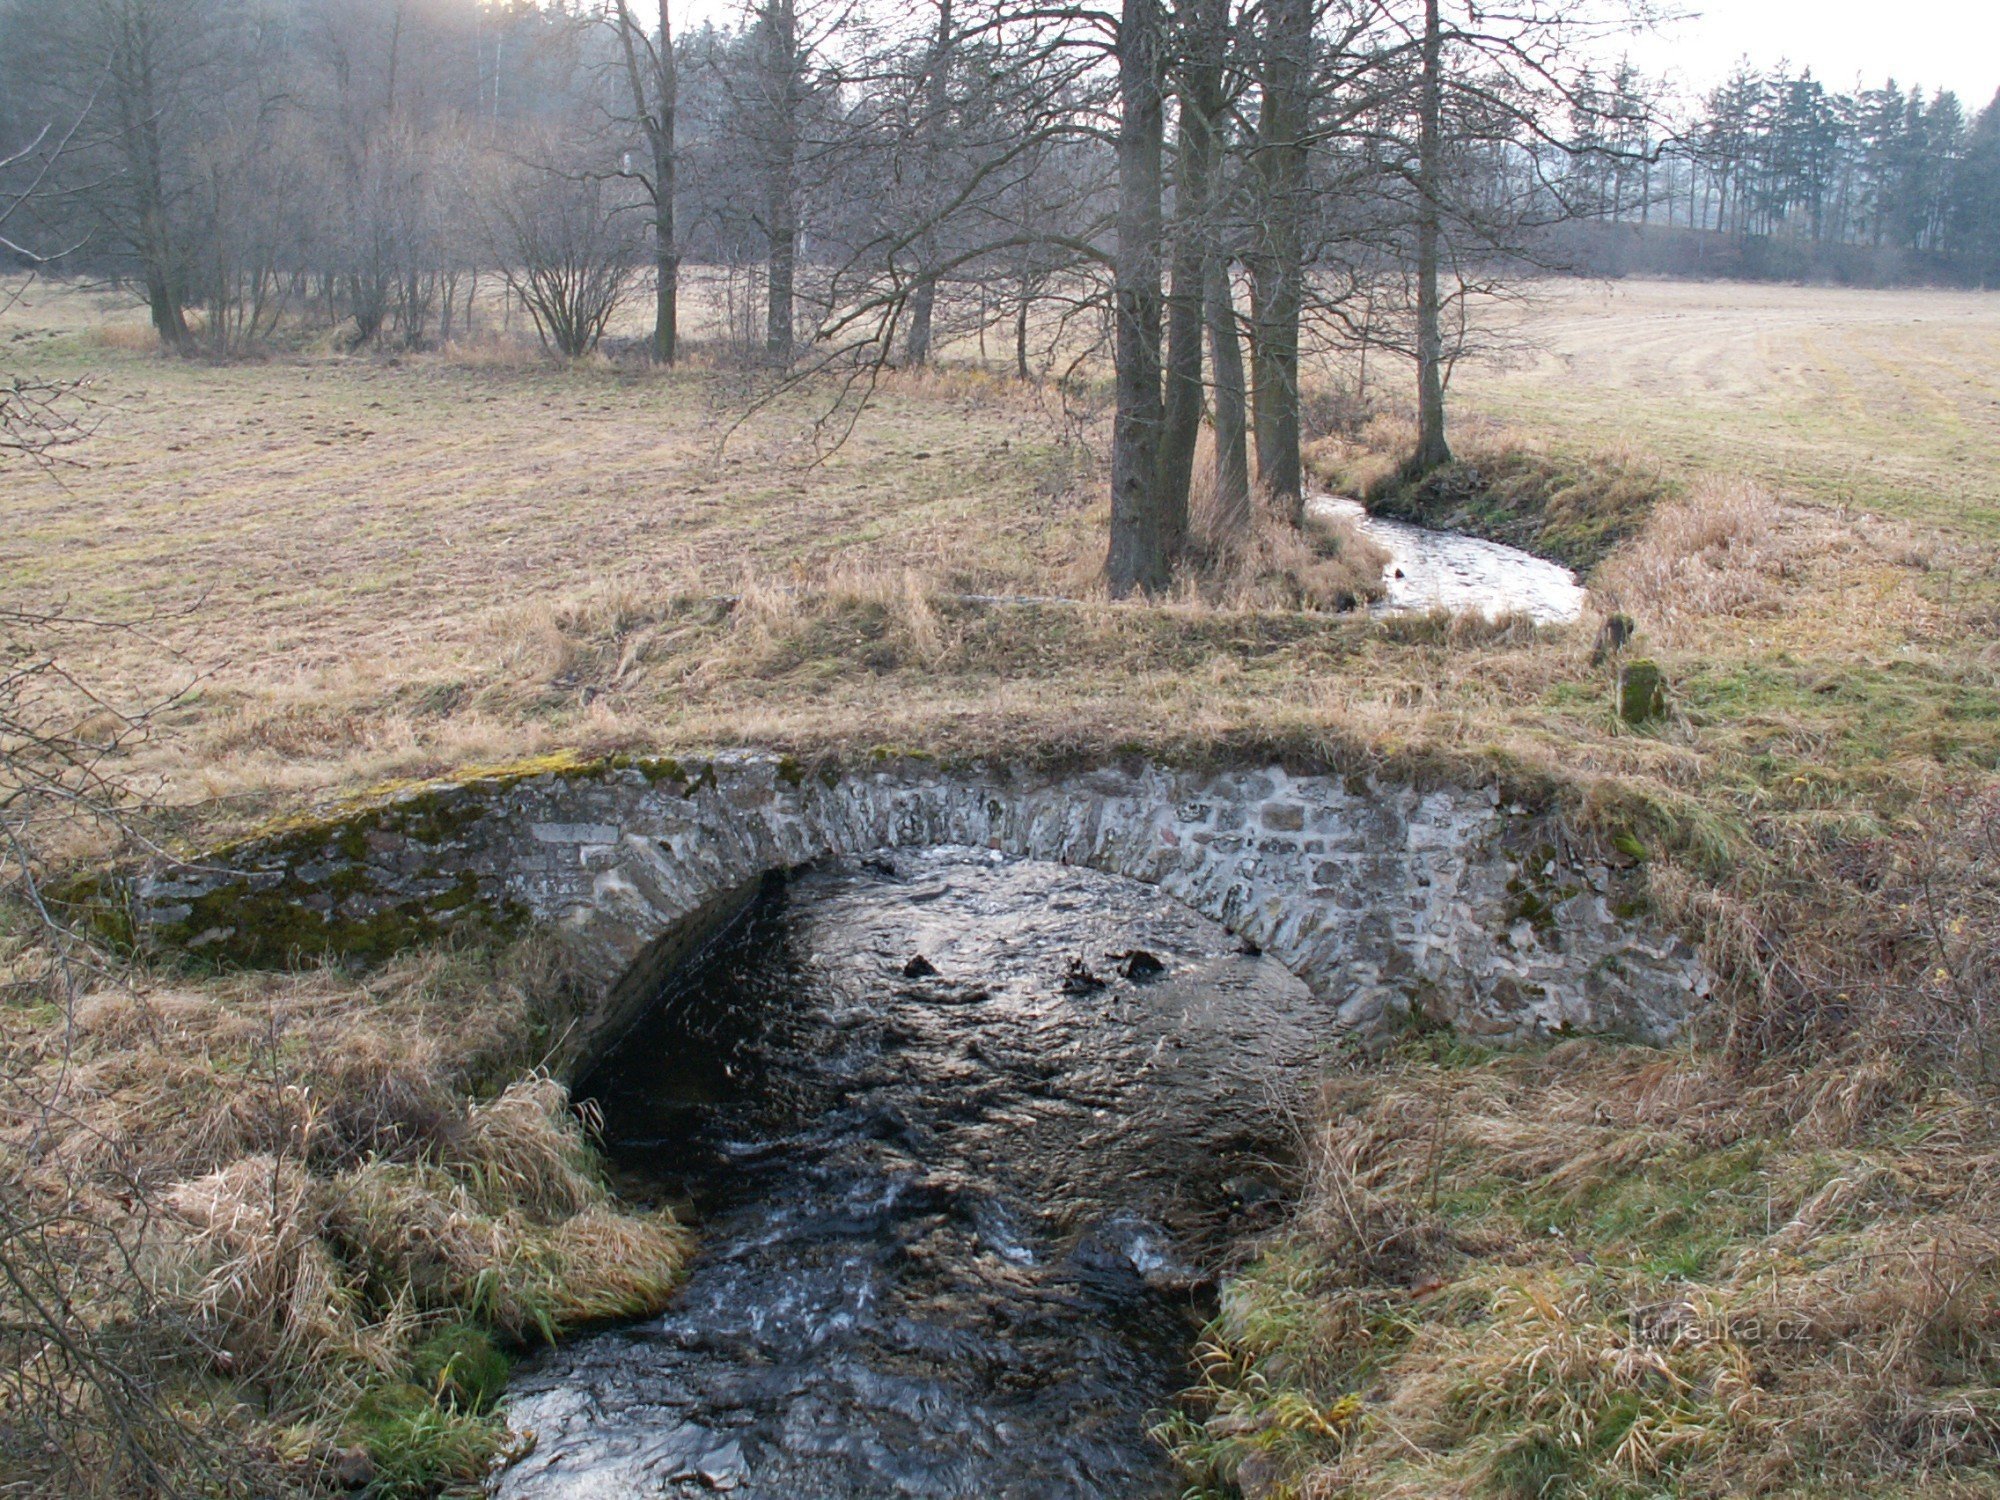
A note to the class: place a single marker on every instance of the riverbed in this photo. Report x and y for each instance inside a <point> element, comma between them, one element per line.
<point>966,1140</point>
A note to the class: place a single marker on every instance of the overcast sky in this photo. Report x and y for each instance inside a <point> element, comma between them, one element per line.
<point>1953,44</point>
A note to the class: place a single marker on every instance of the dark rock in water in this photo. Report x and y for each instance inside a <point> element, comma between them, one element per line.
<point>1247,948</point>
<point>1139,964</point>
<point>351,1469</point>
<point>1642,691</point>
<point>1135,1248</point>
<point>1250,1190</point>
<point>919,968</point>
<point>1078,980</point>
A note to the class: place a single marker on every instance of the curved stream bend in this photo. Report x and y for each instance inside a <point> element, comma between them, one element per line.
<point>955,1226</point>
<point>1462,574</point>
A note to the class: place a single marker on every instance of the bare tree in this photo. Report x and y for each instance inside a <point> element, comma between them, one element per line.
<point>652,84</point>
<point>932,126</point>
<point>1277,256</point>
<point>1202,38</point>
<point>564,251</point>
<point>160,74</point>
<point>1433,451</point>
<point>38,417</point>
<point>779,101</point>
<point>1478,155</point>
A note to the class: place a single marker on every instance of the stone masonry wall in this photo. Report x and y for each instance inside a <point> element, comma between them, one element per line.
<point>1384,898</point>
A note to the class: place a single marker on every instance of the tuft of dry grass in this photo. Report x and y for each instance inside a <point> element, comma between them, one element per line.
<point>266,1293</point>
<point>1718,551</point>
<point>1267,561</point>
<point>512,1227</point>
<point>348,1170</point>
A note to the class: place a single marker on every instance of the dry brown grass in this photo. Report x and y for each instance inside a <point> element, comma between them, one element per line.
<point>392,567</point>
<point>1324,564</point>
<point>322,1175</point>
<point>1721,550</point>
<point>1883,400</point>
<point>1601,1273</point>
<point>397,567</point>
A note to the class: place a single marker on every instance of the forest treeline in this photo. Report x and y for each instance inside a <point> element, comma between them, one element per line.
<point>1208,190</point>
<point>1773,174</point>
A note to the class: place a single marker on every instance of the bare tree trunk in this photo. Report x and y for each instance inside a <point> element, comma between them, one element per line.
<point>1021,334</point>
<point>1204,26</point>
<point>132,78</point>
<point>778,333</point>
<point>1232,438</point>
<point>937,99</point>
<point>781,211</point>
<point>666,288</point>
<point>654,81</point>
<point>1135,558</point>
<point>1275,266</point>
<point>923,300</point>
<point>1433,450</point>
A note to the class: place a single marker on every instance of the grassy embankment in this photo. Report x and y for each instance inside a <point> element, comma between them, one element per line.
<point>1771,1264</point>
<point>394,568</point>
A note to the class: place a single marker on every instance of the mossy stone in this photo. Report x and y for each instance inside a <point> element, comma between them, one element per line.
<point>1642,692</point>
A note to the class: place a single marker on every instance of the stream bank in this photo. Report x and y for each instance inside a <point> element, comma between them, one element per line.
<point>1459,573</point>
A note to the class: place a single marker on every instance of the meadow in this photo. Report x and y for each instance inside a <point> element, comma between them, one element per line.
<point>380,567</point>
<point>346,569</point>
<point>1881,400</point>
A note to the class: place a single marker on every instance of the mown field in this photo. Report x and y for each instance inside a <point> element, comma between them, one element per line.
<point>1885,400</point>
<point>1559,1274</point>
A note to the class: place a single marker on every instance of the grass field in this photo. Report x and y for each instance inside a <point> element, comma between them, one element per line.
<point>390,566</point>
<point>363,568</point>
<point>1885,400</point>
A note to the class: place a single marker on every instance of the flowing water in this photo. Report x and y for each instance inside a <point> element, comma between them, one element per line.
<point>957,1227</point>
<point>1462,574</point>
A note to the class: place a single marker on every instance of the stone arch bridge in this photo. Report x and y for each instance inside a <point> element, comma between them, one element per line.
<point>1384,898</point>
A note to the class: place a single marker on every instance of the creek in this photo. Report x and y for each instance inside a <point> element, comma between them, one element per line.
<point>965,1140</point>
<point>1461,574</point>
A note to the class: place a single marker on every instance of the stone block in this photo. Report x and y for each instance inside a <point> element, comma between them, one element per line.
<point>575,833</point>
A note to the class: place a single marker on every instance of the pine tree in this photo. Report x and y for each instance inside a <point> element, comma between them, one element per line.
<point>1975,221</point>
